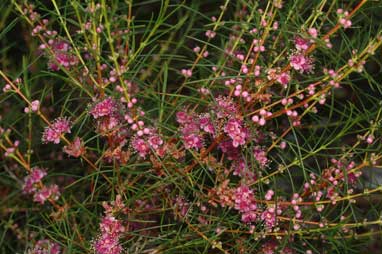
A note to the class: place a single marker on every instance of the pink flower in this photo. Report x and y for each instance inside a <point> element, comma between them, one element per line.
<point>108,124</point>
<point>232,127</point>
<point>224,107</point>
<point>272,247</point>
<point>313,32</point>
<point>76,148</point>
<point>301,63</point>
<point>183,118</point>
<point>61,55</point>
<point>107,107</point>
<point>284,78</point>
<point>182,206</point>
<point>269,194</point>
<point>261,156</point>
<point>245,203</point>
<point>46,247</point>
<point>301,44</point>
<point>53,133</point>
<point>190,131</point>
<point>269,217</point>
<point>141,147</point>
<point>35,105</point>
<point>239,139</point>
<point>155,141</point>
<point>239,167</point>
<point>108,241</point>
<point>111,226</point>
<point>107,244</point>
<point>237,133</point>
<point>34,177</point>
<point>47,192</point>
<point>231,152</point>
<point>192,140</point>
<point>206,124</point>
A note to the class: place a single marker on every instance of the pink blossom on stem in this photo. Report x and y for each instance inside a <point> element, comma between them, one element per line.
<point>46,247</point>
<point>301,44</point>
<point>141,147</point>
<point>62,55</point>
<point>76,148</point>
<point>53,133</point>
<point>36,175</point>
<point>313,32</point>
<point>192,141</point>
<point>284,79</point>
<point>269,217</point>
<point>108,241</point>
<point>245,203</point>
<point>301,63</point>
<point>205,123</point>
<point>155,141</point>
<point>107,107</point>
<point>236,132</point>
<point>47,192</point>
<point>261,156</point>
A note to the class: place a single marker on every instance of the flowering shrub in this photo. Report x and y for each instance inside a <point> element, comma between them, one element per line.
<point>190,127</point>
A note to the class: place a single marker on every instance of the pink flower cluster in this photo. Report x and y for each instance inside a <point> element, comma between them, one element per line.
<point>282,78</point>
<point>299,60</point>
<point>53,133</point>
<point>35,176</point>
<point>295,200</point>
<point>260,156</point>
<point>190,129</point>
<point>46,247</point>
<point>224,110</point>
<point>62,54</point>
<point>76,148</point>
<point>149,139</point>
<point>224,107</point>
<point>107,114</point>
<point>35,105</point>
<point>269,217</point>
<point>236,131</point>
<point>106,107</point>
<point>33,185</point>
<point>108,241</point>
<point>224,194</point>
<point>186,73</point>
<point>112,118</point>
<point>232,153</point>
<point>301,44</point>
<point>47,192</point>
<point>111,229</point>
<point>245,203</point>
<point>334,179</point>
